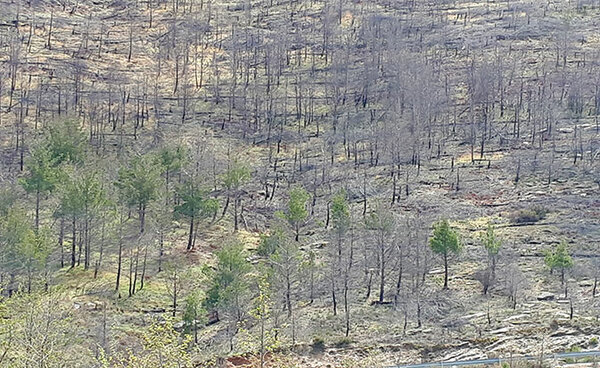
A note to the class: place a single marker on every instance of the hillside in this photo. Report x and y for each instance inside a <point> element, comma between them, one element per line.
<point>199,183</point>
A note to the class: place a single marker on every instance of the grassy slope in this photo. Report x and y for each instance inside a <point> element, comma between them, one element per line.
<point>510,331</point>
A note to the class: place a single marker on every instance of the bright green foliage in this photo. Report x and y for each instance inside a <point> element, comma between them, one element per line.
<point>195,205</point>
<point>380,220</point>
<point>171,159</point>
<point>297,213</point>
<point>23,250</point>
<point>35,249</point>
<point>559,259</point>
<point>340,211</point>
<point>491,243</point>
<point>138,184</point>
<point>261,311</point>
<point>42,175</point>
<point>162,347</point>
<point>444,239</point>
<point>271,242</point>
<point>7,200</point>
<point>195,202</point>
<point>39,332</point>
<point>261,304</point>
<point>286,252</point>
<point>14,230</point>
<point>286,262</point>
<point>66,143</point>
<point>228,281</point>
<point>309,267</point>
<point>237,175</point>
<point>194,314</point>
<point>14,226</point>
<point>81,195</point>
<point>444,242</point>
<point>233,179</point>
<point>6,332</point>
<point>81,199</point>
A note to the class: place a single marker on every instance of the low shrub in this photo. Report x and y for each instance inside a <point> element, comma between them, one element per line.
<point>529,215</point>
<point>343,342</point>
<point>318,343</point>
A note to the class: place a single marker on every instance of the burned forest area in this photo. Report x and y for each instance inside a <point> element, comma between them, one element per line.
<point>299,183</point>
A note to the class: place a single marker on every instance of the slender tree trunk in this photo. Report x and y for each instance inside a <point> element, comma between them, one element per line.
<point>445,271</point>
<point>174,292</point>
<point>37,210</point>
<point>419,322</point>
<point>80,247</point>
<point>191,235</point>
<point>130,273</point>
<point>99,261</point>
<point>346,306</point>
<point>369,283</point>
<point>235,214</point>
<point>262,341</point>
<point>382,273</point>
<point>144,267</point>
<point>73,243</point>
<point>161,250</point>
<point>333,296</point>
<point>571,308</point>
<point>398,283</point>
<point>142,218</point>
<point>86,263</point>
<point>312,285</point>
<point>61,239</point>
<point>29,277</point>
<point>226,207</point>
<point>120,257</point>
<point>288,295</point>
<point>135,270</point>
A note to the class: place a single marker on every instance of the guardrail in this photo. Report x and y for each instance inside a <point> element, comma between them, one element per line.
<point>458,363</point>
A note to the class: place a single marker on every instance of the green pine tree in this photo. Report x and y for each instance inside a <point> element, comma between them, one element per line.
<point>444,242</point>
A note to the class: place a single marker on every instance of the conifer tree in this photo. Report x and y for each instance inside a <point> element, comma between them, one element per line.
<point>445,242</point>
